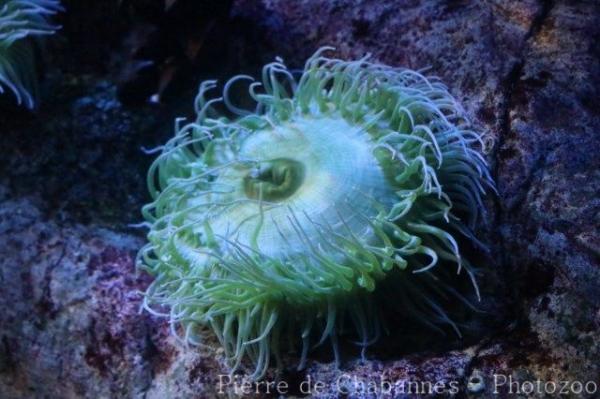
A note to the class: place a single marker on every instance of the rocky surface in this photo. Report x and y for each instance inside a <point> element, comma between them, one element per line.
<point>527,72</point>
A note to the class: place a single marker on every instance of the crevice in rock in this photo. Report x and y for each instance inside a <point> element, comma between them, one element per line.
<point>511,81</point>
<point>8,363</point>
<point>508,86</point>
<point>46,305</point>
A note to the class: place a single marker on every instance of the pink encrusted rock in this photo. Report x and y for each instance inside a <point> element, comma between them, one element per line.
<point>71,325</point>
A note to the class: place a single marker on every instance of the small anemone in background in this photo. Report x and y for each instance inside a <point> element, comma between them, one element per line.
<point>279,226</point>
<point>20,22</point>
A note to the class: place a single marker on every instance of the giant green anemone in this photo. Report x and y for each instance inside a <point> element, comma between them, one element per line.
<point>276,226</point>
<point>20,21</point>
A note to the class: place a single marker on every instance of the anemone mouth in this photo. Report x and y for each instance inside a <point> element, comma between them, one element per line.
<point>274,180</point>
<point>285,219</point>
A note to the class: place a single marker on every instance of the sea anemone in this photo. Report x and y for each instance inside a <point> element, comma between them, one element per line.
<point>279,225</point>
<point>20,21</point>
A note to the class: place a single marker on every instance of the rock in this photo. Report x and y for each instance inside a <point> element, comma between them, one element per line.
<point>80,156</point>
<point>527,72</point>
<point>71,311</point>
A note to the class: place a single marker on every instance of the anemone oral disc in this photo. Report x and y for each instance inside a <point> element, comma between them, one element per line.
<point>341,181</point>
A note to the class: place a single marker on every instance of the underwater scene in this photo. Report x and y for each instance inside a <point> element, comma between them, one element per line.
<point>299,199</point>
